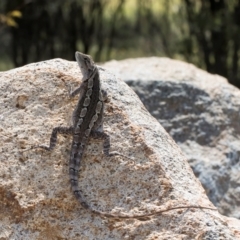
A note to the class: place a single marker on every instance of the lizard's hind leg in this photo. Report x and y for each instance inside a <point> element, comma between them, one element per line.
<point>53,138</point>
<point>106,144</point>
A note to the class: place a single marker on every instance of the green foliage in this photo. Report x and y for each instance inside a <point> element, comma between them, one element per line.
<point>204,32</point>
<point>214,29</point>
<point>9,20</point>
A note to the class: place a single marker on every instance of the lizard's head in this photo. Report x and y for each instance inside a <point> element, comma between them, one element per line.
<point>86,64</point>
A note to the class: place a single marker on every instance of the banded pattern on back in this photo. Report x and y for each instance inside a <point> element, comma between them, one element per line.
<point>85,119</point>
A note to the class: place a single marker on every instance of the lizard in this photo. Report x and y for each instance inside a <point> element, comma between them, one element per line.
<point>87,122</point>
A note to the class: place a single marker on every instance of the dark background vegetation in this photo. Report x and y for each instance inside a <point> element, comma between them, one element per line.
<point>203,32</point>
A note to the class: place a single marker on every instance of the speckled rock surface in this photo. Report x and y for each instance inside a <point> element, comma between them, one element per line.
<point>201,112</point>
<point>35,197</point>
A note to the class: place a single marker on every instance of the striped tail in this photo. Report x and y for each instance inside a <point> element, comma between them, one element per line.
<point>74,165</point>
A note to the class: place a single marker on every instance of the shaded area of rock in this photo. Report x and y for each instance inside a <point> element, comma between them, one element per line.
<point>201,112</point>
<point>35,197</point>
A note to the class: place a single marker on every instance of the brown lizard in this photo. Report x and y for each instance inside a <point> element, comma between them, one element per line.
<point>87,123</point>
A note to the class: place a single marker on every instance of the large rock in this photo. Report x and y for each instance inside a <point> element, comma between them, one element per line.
<point>35,197</point>
<point>201,112</point>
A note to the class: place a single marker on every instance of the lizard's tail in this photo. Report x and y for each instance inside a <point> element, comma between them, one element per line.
<point>145,215</point>
<point>77,193</point>
<point>74,165</point>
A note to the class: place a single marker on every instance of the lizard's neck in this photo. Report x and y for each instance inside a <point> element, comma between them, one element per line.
<point>90,74</point>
